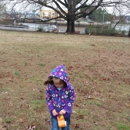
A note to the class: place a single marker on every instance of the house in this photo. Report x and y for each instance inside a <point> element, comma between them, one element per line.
<point>128,19</point>
<point>48,14</point>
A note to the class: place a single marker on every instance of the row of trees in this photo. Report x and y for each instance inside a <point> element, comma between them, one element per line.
<point>70,10</point>
<point>100,15</point>
<point>2,10</point>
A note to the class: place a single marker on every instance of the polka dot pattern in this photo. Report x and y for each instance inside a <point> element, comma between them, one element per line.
<point>60,72</point>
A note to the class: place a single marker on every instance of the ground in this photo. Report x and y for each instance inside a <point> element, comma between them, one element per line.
<point>98,67</point>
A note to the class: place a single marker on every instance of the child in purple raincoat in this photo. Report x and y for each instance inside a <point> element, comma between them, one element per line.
<point>60,96</point>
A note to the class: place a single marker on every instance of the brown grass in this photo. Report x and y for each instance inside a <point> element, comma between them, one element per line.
<point>99,68</point>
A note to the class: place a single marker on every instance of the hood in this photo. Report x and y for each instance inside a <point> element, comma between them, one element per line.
<point>60,72</point>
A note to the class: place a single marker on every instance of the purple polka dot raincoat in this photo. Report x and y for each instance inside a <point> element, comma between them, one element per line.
<point>60,99</point>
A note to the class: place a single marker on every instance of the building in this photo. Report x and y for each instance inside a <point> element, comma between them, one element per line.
<point>48,14</point>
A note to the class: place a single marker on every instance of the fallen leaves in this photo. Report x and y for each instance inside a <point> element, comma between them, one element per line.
<point>76,126</point>
<point>127,105</point>
<point>102,63</point>
<point>78,117</point>
<point>21,120</point>
<point>31,127</point>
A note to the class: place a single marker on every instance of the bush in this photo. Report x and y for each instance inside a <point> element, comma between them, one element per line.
<point>86,30</point>
<point>129,33</point>
<point>92,29</point>
<point>109,32</point>
<point>39,29</point>
<point>123,32</point>
<point>100,30</point>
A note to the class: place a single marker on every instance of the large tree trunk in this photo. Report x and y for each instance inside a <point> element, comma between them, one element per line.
<point>129,33</point>
<point>70,26</point>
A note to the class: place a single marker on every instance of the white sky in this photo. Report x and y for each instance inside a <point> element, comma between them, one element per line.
<point>109,9</point>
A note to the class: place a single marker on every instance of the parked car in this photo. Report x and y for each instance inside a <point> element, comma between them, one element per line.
<point>46,29</point>
<point>53,28</point>
<point>50,28</point>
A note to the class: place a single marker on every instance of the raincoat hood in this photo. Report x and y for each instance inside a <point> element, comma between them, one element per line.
<point>60,72</point>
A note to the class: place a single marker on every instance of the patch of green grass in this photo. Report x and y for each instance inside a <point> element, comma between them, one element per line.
<point>38,81</point>
<point>80,85</point>
<point>124,88</point>
<point>124,85</point>
<point>25,63</point>
<point>16,73</point>
<point>5,90</point>
<point>41,64</point>
<point>94,78</point>
<point>83,112</point>
<point>32,77</point>
<point>98,103</point>
<point>38,104</point>
<point>95,117</point>
<point>89,102</point>
<point>17,113</point>
<point>38,55</point>
<point>121,126</point>
<point>9,120</point>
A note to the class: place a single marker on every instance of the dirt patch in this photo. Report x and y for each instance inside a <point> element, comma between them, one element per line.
<point>2,125</point>
<point>4,74</point>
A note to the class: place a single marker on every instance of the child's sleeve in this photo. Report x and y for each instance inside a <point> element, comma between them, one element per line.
<point>49,98</point>
<point>69,103</point>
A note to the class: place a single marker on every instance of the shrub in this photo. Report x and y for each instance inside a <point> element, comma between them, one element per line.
<point>39,29</point>
<point>123,32</point>
<point>86,30</point>
<point>100,30</point>
<point>129,33</point>
<point>109,32</point>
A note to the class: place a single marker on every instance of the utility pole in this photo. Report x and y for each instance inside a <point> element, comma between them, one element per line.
<point>34,17</point>
<point>103,16</point>
<point>34,14</point>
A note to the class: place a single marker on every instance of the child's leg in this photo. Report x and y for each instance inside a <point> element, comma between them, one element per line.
<point>54,123</point>
<point>67,124</point>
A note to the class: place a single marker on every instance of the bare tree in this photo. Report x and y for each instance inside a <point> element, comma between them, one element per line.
<point>2,11</point>
<point>69,10</point>
<point>121,11</point>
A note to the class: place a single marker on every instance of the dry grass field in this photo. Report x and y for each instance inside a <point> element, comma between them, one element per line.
<point>98,67</point>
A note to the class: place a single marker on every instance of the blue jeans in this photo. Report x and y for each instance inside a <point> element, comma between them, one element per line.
<point>55,123</point>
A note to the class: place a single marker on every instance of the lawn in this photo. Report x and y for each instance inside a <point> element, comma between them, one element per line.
<point>98,67</point>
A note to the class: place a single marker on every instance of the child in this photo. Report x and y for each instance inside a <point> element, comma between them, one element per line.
<point>60,96</point>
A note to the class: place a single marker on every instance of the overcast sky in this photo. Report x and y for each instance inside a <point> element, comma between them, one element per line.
<point>109,9</point>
